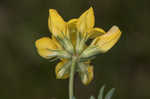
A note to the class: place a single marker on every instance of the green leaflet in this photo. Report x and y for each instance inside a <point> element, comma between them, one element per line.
<point>101,92</point>
<point>108,95</point>
<point>92,97</point>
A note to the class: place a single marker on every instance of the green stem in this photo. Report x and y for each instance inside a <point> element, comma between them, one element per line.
<point>71,79</point>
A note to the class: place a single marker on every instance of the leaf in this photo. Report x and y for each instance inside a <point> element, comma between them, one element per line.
<point>100,96</point>
<point>92,97</point>
<point>110,93</point>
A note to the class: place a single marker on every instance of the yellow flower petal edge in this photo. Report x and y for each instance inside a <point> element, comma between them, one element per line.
<point>56,23</point>
<point>108,40</point>
<point>72,26</point>
<point>74,20</point>
<point>86,21</point>
<point>95,32</point>
<point>57,69</point>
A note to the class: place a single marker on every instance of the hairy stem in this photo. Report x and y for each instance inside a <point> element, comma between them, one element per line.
<point>71,79</point>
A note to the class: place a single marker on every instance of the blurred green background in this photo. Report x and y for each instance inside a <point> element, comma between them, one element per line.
<point>25,75</point>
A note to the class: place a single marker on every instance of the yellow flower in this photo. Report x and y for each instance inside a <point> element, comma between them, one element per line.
<point>68,42</point>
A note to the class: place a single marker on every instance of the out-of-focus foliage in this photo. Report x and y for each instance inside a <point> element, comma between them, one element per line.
<point>108,95</point>
<point>25,75</point>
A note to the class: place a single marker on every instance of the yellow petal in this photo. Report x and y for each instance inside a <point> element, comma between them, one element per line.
<point>56,42</point>
<point>57,69</point>
<point>108,40</point>
<point>95,32</point>
<point>72,25</point>
<point>86,21</point>
<point>56,23</point>
<point>72,30</point>
<point>44,45</point>
<point>45,53</point>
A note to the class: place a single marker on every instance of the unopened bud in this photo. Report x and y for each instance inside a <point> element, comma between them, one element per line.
<point>64,70</point>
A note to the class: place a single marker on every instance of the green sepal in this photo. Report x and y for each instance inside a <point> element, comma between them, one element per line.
<point>89,52</point>
<point>80,46</point>
<point>60,54</point>
<point>80,43</point>
<point>66,44</point>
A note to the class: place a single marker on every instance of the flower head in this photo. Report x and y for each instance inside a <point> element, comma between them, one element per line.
<point>68,41</point>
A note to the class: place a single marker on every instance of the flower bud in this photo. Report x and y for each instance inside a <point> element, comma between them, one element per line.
<point>62,69</point>
<point>86,73</point>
